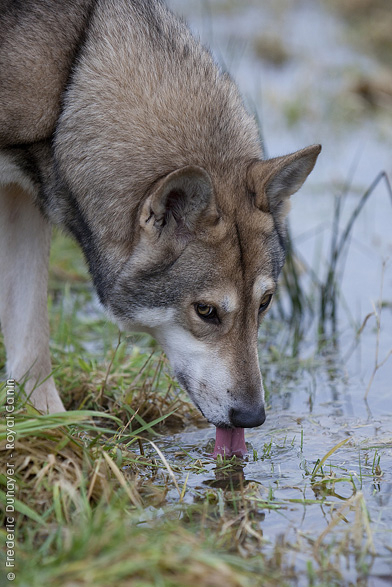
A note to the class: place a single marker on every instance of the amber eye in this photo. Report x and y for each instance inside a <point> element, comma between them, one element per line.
<point>265,301</point>
<point>205,311</point>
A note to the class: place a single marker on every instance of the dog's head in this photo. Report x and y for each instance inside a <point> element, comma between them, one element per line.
<point>203,275</point>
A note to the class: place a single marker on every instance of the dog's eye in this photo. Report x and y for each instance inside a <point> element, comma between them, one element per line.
<point>206,312</point>
<point>265,302</point>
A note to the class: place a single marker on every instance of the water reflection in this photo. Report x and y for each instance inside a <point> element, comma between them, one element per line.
<point>230,478</point>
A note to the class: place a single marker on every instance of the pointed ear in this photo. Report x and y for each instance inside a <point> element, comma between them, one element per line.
<point>275,180</point>
<point>177,202</point>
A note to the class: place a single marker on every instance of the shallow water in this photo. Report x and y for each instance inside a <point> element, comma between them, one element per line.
<point>304,422</point>
<point>308,100</point>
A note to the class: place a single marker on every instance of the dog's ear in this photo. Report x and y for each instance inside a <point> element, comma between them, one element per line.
<point>177,202</point>
<point>273,181</point>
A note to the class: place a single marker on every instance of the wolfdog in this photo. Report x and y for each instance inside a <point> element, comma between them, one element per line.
<point>117,125</point>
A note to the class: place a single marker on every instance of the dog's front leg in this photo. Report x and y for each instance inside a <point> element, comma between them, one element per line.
<point>24,256</point>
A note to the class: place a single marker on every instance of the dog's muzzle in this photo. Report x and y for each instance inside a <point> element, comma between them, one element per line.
<point>247,418</point>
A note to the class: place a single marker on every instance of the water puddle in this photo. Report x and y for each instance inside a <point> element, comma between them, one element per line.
<point>292,507</point>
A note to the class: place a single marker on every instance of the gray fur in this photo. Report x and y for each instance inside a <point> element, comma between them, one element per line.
<point>127,134</point>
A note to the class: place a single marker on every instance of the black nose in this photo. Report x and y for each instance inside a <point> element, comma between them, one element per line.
<point>248,418</point>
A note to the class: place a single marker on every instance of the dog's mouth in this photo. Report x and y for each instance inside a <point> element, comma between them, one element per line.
<point>230,442</point>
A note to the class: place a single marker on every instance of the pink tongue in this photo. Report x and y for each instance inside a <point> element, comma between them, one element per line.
<point>230,442</point>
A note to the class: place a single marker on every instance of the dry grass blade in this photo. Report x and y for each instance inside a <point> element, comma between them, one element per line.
<point>50,459</point>
<point>377,314</point>
<point>360,527</point>
<point>329,453</point>
<point>364,323</point>
<point>169,469</point>
<point>120,478</point>
<point>335,520</point>
<point>184,488</point>
<point>103,387</point>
